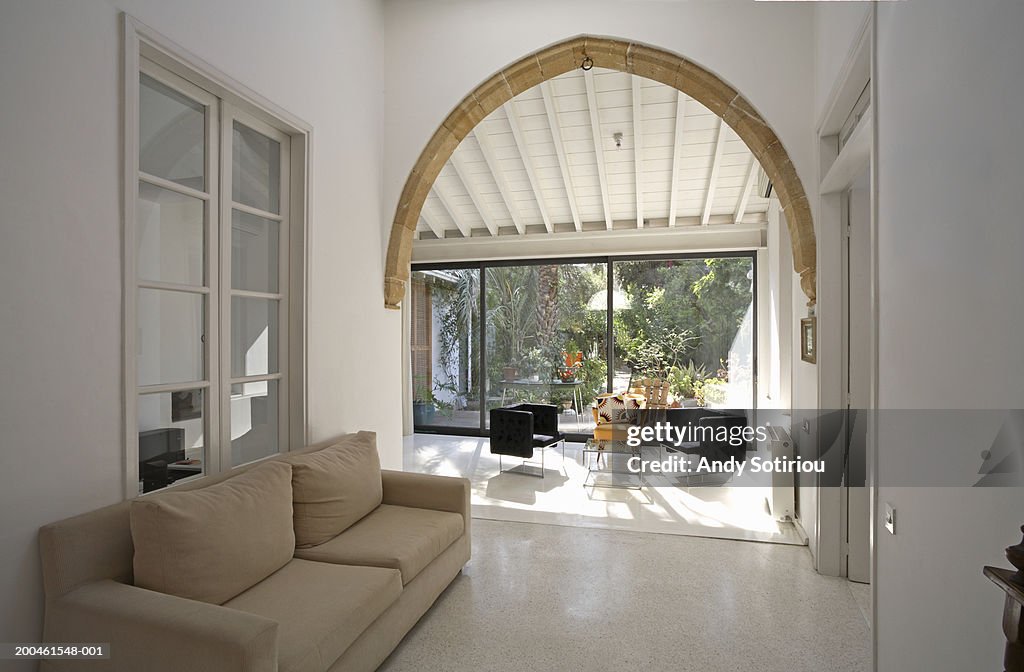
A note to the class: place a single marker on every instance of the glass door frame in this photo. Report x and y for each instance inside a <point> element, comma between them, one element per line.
<point>609,263</point>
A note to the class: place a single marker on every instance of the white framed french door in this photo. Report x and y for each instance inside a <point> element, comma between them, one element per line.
<point>208,272</point>
<point>254,277</point>
<point>173,353</point>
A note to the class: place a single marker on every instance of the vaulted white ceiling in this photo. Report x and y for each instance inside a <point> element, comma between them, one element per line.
<point>548,162</point>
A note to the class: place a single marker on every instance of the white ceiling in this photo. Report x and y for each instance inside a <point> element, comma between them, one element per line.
<point>533,167</point>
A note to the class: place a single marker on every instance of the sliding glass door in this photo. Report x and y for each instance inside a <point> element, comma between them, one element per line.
<point>546,343</point>
<point>691,322</point>
<point>490,334</point>
<point>445,343</point>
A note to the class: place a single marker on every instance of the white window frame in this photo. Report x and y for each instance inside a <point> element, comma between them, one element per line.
<point>227,101</point>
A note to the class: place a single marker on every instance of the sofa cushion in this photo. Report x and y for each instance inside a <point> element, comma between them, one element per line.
<point>213,543</point>
<point>334,487</point>
<point>320,609</point>
<point>401,537</point>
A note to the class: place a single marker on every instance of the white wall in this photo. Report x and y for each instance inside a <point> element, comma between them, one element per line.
<point>437,52</point>
<point>60,345</point>
<point>804,400</point>
<point>951,244</point>
<point>776,318</point>
<point>836,26</point>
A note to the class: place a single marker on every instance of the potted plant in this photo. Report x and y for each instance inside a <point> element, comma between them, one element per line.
<point>424,406</point>
<point>715,391</point>
<point>535,364</point>
<point>509,373</point>
<point>564,399</point>
<point>685,383</point>
<point>573,360</point>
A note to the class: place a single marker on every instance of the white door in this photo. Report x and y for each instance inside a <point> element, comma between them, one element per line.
<point>858,306</point>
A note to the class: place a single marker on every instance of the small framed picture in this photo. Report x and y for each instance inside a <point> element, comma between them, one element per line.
<point>186,405</point>
<point>809,339</point>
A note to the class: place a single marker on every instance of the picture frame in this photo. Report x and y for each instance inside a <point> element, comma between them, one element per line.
<point>809,339</point>
<point>186,405</point>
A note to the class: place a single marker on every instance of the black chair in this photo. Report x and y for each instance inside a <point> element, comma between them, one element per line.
<point>721,420</point>
<point>518,430</point>
<point>729,425</point>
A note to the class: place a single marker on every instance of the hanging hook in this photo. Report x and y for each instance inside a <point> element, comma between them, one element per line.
<point>587,63</point>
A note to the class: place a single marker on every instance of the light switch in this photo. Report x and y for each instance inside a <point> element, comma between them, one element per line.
<point>890,518</point>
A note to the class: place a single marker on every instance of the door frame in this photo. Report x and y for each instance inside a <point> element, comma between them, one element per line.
<point>850,400</point>
<point>838,170</point>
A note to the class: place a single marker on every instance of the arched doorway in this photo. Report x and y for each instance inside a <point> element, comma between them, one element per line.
<point>638,59</point>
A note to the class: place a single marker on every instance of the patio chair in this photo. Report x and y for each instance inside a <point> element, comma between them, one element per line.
<point>520,429</point>
<point>655,404</point>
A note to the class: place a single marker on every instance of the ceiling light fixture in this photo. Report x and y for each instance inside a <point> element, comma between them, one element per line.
<point>617,137</point>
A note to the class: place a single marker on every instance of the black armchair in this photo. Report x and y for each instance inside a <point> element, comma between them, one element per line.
<point>518,430</point>
<point>730,426</point>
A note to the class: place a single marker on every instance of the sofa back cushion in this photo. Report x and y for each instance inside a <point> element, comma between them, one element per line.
<point>213,543</point>
<point>335,487</point>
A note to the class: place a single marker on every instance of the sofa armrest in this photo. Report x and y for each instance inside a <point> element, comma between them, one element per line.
<point>152,631</point>
<point>425,491</point>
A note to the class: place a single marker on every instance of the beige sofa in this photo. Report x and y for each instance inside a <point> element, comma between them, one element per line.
<point>343,604</point>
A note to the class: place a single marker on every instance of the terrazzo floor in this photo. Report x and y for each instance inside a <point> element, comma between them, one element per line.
<point>736,509</point>
<point>545,597</point>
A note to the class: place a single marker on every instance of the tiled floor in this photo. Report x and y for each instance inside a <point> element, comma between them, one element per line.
<point>668,506</point>
<point>862,595</point>
<point>543,597</point>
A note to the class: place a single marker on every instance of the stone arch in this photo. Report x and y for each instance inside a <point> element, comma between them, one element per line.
<point>638,59</point>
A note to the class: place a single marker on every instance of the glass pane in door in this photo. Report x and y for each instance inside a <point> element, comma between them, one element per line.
<point>171,437</point>
<point>172,134</point>
<point>445,348</point>
<point>254,253</point>
<point>254,421</point>
<point>254,336</point>
<point>546,338</point>
<point>689,321</point>
<point>169,342</point>
<point>169,236</point>
<point>255,169</point>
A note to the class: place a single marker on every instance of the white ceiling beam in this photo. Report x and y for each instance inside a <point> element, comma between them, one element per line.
<point>741,206</point>
<point>517,134</point>
<point>638,150</point>
<point>474,193</point>
<point>462,226</point>
<point>520,143</point>
<point>677,151</point>
<point>715,166</point>
<point>563,162</point>
<point>499,178</point>
<point>595,126</point>
<point>652,240</point>
<point>431,222</point>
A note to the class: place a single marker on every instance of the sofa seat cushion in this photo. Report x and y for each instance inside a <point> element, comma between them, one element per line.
<point>320,608</point>
<point>399,537</point>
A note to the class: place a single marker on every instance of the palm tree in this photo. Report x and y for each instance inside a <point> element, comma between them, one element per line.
<point>547,306</point>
